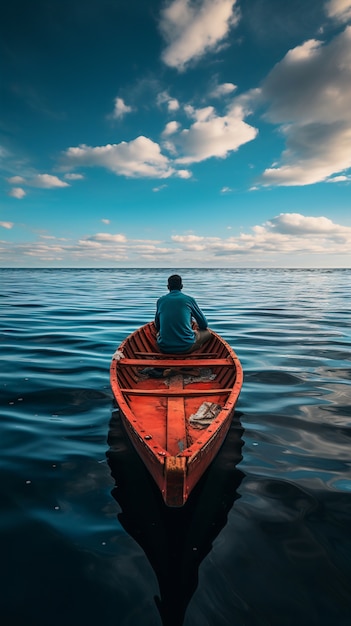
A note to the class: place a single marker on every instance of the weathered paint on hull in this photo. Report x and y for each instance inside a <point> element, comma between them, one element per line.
<point>176,477</point>
<point>176,469</point>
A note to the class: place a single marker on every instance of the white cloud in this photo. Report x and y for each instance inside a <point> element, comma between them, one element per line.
<point>16,180</point>
<point>171,128</point>
<point>47,181</point>
<point>223,90</point>
<point>120,109</point>
<point>137,159</point>
<point>171,103</point>
<point>103,246</point>
<point>17,192</point>
<point>7,225</point>
<point>69,176</point>
<point>105,221</point>
<point>292,239</point>
<point>44,181</point>
<point>297,224</point>
<point>189,239</point>
<point>309,94</point>
<point>212,135</point>
<point>184,174</point>
<point>339,10</point>
<point>285,234</point>
<point>40,250</point>
<point>196,243</point>
<point>89,243</point>
<point>312,83</point>
<point>108,238</point>
<point>307,163</point>
<point>191,29</point>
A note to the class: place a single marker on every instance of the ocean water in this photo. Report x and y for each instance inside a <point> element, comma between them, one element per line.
<point>85,539</point>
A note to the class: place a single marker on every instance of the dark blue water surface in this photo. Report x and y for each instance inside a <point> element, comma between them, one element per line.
<point>265,539</point>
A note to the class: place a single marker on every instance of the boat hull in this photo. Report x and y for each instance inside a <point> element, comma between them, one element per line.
<point>163,415</point>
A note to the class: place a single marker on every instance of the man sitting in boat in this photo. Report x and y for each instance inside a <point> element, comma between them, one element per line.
<point>173,320</point>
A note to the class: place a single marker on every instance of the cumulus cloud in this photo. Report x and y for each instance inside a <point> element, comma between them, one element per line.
<point>42,251</point>
<point>120,109</point>
<point>7,225</point>
<point>171,128</point>
<point>89,243</point>
<point>193,28</point>
<point>297,224</point>
<point>308,94</point>
<point>195,243</point>
<point>138,158</point>
<point>118,247</point>
<point>285,238</point>
<point>16,180</point>
<point>312,83</point>
<point>98,250</point>
<point>17,192</point>
<point>285,234</point>
<point>212,135</point>
<point>47,181</point>
<point>172,104</point>
<point>188,239</point>
<point>223,90</point>
<point>339,10</point>
<point>105,221</point>
<point>44,181</point>
<point>184,174</point>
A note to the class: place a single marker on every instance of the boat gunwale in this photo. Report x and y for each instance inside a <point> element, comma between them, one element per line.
<point>205,437</point>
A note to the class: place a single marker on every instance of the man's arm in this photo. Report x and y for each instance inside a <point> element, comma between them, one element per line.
<point>157,318</point>
<point>198,315</point>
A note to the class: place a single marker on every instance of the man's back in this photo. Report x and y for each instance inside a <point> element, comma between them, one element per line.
<point>173,320</point>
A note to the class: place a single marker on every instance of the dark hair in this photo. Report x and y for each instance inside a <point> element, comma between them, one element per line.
<point>175,282</point>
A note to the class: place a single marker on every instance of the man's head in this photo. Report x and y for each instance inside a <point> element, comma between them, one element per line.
<point>175,282</point>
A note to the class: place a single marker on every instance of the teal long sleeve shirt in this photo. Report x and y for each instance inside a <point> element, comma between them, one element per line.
<point>173,320</point>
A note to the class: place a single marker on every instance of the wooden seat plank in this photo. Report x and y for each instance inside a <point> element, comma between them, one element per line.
<point>177,356</point>
<point>174,392</point>
<point>171,363</point>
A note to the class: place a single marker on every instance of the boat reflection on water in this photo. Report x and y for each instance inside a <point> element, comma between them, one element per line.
<point>175,540</point>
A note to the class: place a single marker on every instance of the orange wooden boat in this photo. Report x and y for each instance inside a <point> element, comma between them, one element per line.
<point>176,409</point>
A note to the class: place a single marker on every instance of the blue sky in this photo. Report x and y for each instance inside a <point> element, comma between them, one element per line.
<point>186,133</point>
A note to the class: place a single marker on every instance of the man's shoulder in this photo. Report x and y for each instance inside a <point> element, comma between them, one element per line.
<point>184,296</point>
<point>190,298</point>
<point>162,298</point>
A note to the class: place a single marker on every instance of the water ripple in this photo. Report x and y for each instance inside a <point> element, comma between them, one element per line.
<point>275,537</point>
